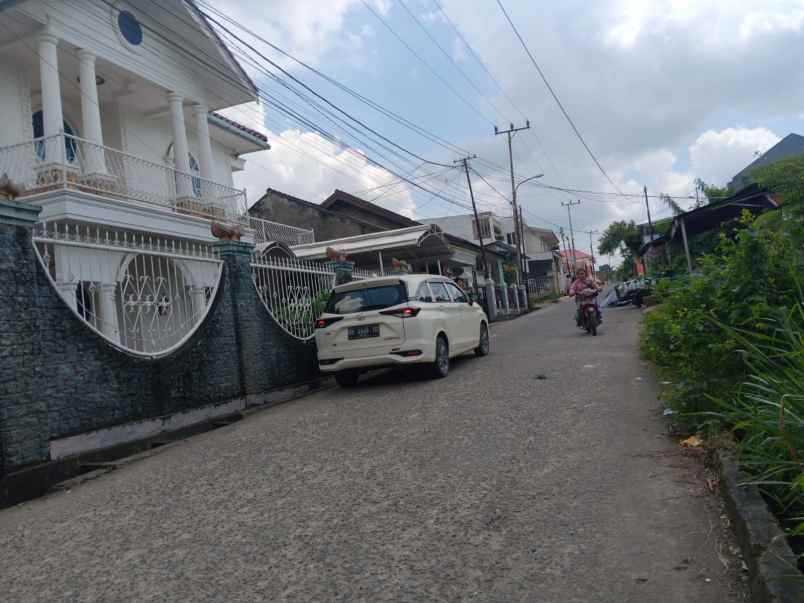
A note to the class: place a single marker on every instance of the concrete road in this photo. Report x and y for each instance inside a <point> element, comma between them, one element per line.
<point>541,473</point>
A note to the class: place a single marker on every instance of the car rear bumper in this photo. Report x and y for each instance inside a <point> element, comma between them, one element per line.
<point>373,362</point>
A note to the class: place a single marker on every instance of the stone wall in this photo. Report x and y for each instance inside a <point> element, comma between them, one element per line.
<point>58,378</point>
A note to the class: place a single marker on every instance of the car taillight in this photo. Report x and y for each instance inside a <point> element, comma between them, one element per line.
<point>402,312</point>
<point>325,322</point>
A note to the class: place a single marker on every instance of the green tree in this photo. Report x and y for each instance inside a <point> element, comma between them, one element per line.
<point>784,178</point>
<point>623,237</point>
<point>710,192</point>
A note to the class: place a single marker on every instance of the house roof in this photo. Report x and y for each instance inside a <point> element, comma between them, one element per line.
<point>416,241</point>
<point>343,197</point>
<point>789,146</point>
<point>224,49</point>
<point>579,255</point>
<point>709,217</point>
<point>238,126</point>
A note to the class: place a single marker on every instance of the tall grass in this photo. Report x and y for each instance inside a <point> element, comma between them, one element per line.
<point>767,412</point>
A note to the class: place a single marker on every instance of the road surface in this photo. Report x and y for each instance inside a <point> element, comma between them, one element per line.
<point>540,473</point>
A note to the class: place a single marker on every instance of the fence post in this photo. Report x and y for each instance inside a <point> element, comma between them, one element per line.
<point>24,429</point>
<point>236,256</point>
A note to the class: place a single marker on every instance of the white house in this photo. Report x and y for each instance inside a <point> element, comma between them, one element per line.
<point>109,123</point>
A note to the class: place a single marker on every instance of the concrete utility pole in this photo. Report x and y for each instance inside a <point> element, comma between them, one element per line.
<point>592,252</point>
<point>569,205</point>
<point>521,237</point>
<point>647,204</point>
<point>465,163</point>
<point>509,132</point>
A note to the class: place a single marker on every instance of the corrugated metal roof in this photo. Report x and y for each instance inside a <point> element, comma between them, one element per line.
<point>412,237</point>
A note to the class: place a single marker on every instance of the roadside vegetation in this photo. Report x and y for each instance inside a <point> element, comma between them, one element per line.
<point>730,341</point>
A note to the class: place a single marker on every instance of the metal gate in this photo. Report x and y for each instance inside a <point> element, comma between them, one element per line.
<point>295,291</point>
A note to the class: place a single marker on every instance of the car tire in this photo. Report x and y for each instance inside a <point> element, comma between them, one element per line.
<point>440,367</point>
<point>484,344</point>
<point>347,378</point>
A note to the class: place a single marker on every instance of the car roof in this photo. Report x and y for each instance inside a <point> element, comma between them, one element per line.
<point>412,280</point>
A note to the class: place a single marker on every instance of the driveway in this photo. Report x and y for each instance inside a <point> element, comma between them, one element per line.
<point>540,473</point>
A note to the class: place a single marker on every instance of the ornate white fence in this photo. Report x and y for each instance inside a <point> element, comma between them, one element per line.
<point>64,161</point>
<point>266,231</point>
<point>144,294</point>
<point>294,291</point>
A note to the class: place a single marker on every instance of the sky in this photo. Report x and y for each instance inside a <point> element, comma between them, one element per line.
<point>663,92</point>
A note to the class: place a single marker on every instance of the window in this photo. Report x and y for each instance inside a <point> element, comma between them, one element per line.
<point>423,293</point>
<point>363,300</point>
<point>485,228</point>
<point>39,131</point>
<point>439,292</point>
<point>458,296</point>
<point>130,28</point>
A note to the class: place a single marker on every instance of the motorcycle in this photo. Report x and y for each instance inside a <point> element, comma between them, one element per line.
<point>589,318</point>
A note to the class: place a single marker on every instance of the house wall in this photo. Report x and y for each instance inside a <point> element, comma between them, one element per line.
<point>326,224</point>
<point>89,24</point>
<point>58,378</point>
<point>459,226</point>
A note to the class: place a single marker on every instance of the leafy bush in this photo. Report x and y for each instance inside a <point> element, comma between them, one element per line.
<point>767,413</point>
<point>730,338</point>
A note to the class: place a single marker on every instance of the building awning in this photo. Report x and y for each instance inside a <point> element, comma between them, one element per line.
<point>710,217</point>
<point>415,242</point>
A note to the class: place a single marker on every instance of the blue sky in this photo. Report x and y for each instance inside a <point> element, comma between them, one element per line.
<point>664,91</point>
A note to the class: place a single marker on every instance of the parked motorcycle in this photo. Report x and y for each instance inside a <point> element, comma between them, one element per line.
<point>588,314</point>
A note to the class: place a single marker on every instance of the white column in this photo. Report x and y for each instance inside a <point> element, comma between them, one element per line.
<point>68,293</point>
<point>181,159</point>
<point>201,113</point>
<point>90,114</point>
<point>52,116</point>
<point>108,312</point>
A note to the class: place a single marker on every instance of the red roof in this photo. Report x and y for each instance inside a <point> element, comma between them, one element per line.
<point>579,255</point>
<point>241,127</point>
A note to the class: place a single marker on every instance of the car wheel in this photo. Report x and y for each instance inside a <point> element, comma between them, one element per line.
<point>440,367</point>
<point>347,378</point>
<point>483,345</point>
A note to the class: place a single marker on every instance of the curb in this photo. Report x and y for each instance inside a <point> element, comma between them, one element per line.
<point>772,566</point>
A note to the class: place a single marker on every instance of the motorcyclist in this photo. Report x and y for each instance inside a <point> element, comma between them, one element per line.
<point>583,283</point>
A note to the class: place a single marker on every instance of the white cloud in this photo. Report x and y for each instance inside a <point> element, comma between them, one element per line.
<point>716,156</point>
<point>304,28</point>
<point>308,166</point>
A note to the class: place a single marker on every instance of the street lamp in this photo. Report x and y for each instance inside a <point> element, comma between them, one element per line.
<point>520,230</point>
<point>521,182</point>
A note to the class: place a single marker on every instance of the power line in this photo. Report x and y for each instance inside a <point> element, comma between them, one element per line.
<point>368,101</point>
<point>458,68</point>
<point>555,97</point>
<point>426,64</point>
<point>477,57</point>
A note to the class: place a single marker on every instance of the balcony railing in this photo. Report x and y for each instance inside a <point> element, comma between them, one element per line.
<point>266,231</point>
<point>68,162</point>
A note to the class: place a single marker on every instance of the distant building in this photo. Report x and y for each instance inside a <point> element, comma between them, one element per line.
<point>789,146</point>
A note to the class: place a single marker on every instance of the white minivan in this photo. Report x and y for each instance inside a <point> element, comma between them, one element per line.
<point>398,320</point>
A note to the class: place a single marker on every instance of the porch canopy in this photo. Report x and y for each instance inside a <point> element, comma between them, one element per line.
<point>417,245</point>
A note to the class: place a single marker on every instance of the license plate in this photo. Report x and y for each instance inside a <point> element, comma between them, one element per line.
<point>364,331</point>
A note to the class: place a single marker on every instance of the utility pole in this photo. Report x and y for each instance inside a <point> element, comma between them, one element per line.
<point>465,163</point>
<point>592,252</point>
<point>521,237</point>
<point>569,205</point>
<point>647,204</point>
<point>510,132</point>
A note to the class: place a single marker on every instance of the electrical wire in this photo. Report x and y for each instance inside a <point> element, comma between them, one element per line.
<point>555,97</point>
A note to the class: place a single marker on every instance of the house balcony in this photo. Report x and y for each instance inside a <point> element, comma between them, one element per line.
<point>41,166</point>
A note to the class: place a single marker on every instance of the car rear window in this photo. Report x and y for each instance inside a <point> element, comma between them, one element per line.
<point>363,300</point>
